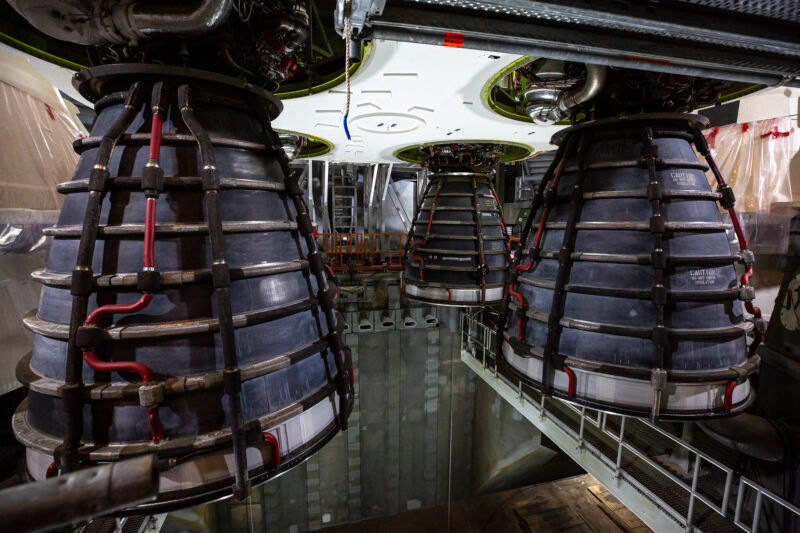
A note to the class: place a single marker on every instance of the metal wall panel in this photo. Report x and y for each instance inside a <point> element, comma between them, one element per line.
<point>397,454</point>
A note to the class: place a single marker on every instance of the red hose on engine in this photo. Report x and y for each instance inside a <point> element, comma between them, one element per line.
<point>748,272</point>
<point>148,262</point>
<point>417,258</point>
<point>545,212</point>
<point>521,303</point>
<point>536,242</point>
<point>276,449</point>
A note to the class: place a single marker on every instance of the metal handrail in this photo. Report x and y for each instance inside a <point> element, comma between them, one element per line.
<point>478,341</point>
<point>356,251</point>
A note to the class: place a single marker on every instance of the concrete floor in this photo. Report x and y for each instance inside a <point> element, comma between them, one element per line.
<point>576,504</point>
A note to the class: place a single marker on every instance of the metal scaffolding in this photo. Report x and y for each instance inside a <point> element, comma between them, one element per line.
<point>626,454</point>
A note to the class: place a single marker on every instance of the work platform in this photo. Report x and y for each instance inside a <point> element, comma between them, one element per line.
<point>669,484</point>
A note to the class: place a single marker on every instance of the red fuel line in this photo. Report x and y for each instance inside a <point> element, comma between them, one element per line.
<point>545,213</point>
<point>417,258</point>
<point>727,401</point>
<point>520,302</point>
<point>148,262</point>
<point>276,449</point>
<point>748,272</point>
<point>572,380</point>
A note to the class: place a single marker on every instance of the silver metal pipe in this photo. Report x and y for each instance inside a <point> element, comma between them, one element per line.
<point>327,221</point>
<point>141,20</point>
<point>311,210</point>
<point>398,206</point>
<point>408,320</point>
<point>381,204</point>
<point>121,22</point>
<point>386,183</point>
<point>364,323</point>
<point>79,495</point>
<point>371,199</point>
<point>595,80</point>
<point>542,105</point>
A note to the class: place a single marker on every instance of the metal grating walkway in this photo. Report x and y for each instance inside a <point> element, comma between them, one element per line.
<point>630,456</point>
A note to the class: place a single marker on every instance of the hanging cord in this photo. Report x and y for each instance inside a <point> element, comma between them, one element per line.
<point>242,7</point>
<point>346,66</point>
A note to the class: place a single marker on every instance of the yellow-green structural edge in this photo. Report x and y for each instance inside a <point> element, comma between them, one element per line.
<point>514,151</point>
<point>488,97</point>
<point>41,54</point>
<point>319,147</point>
<point>50,58</point>
<point>365,51</point>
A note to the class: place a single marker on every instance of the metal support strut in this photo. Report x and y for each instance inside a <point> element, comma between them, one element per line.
<point>232,376</point>
<point>326,294</point>
<point>554,327</point>
<point>66,456</point>
<point>649,153</point>
<point>411,246</point>
<point>553,173</point>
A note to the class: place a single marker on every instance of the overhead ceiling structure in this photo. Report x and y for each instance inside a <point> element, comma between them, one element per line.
<point>757,42</point>
<point>410,94</point>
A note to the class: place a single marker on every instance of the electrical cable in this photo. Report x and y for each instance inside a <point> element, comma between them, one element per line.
<point>536,242</point>
<point>521,304</point>
<point>347,8</point>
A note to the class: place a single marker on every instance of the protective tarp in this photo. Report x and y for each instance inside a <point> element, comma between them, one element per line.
<point>35,154</point>
<point>18,295</point>
<point>754,159</point>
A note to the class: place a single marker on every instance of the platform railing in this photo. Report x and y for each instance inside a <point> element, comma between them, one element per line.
<point>609,446</point>
<point>364,251</point>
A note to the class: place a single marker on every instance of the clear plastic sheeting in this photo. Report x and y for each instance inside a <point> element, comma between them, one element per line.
<point>35,154</point>
<point>754,158</point>
<point>21,230</point>
<point>36,149</point>
<point>18,295</point>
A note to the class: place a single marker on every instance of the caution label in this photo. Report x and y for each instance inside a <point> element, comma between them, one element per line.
<point>453,40</point>
<point>683,179</point>
<point>703,276</point>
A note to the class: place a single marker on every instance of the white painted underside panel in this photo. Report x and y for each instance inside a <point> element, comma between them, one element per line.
<point>632,393</point>
<point>217,466</point>
<point>466,296</point>
<point>406,94</point>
